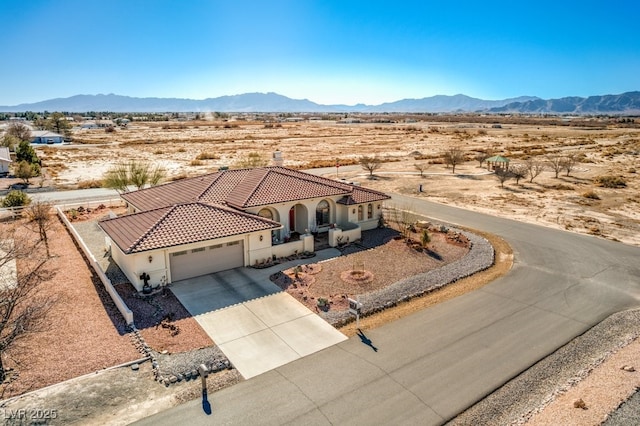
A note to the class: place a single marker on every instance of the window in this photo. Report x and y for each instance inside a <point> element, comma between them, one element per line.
<point>322,213</point>
<point>179,253</point>
<point>370,211</point>
<point>233,243</point>
<point>360,213</point>
<point>266,213</point>
<point>196,250</point>
<point>217,246</point>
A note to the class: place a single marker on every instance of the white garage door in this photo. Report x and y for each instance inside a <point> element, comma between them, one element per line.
<point>206,260</point>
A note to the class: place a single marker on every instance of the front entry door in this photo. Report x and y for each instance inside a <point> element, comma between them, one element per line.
<point>292,219</point>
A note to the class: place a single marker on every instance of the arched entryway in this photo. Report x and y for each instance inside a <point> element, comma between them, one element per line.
<point>298,219</point>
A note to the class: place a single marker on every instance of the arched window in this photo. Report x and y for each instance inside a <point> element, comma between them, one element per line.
<point>322,213</point>
<point>370,211</point>
<point>266,213</point>
<point>360,213</point>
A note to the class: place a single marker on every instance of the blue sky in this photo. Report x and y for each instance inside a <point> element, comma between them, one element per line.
<point>326,51</point>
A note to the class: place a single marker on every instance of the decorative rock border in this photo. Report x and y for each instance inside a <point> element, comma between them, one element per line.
<point>481,256</point>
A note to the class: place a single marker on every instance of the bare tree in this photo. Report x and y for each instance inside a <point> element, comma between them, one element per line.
<point>452,157</point>
<point>20,131</point>
<point>503,176</point>
<point>370,164</point>
<point>569,162</point>
<point>23,307</point>
<point>481,156</point>
<point>400,219</point>
<point>518,171</point>
<point>556,163</point>
<point>39,213</point>
<point>421,167</point>
<point>534,168</point>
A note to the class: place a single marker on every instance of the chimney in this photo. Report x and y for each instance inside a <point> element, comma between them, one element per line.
<point>277,158</point>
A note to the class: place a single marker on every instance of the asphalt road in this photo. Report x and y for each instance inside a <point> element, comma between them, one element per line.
<point>430,366</point>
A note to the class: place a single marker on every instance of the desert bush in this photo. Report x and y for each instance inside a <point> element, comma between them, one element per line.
<point>609,181</point>
<point>180,176</point>
<point>92,183</point>
<point>16,198</point>
<point>158,152</point>
<point>591,194</point>
<point>110,129</point>
<point>196,163</point>
<point>207,156</point>
<point>182,150</point>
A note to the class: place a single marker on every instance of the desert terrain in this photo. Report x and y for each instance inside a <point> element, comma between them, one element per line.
<point>575,202</point>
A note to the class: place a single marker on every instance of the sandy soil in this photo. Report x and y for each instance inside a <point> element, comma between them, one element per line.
<point>566,202</point>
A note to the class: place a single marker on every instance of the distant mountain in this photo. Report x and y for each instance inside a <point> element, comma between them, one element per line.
<point>625,103</point>
<point>272,102</point>
<point>442,103</point>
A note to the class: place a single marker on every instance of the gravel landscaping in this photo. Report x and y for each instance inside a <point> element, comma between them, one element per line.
<point>479,258</point>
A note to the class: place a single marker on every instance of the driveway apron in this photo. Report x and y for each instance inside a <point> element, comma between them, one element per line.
<point>257,325</point>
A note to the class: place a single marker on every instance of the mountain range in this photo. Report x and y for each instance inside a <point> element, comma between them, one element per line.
<point>625,103</point>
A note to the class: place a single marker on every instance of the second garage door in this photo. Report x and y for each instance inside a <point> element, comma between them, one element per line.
<point>206,260</point>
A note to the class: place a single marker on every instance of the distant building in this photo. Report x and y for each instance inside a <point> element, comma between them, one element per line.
<point>5,160</point>
<point>46,137</point>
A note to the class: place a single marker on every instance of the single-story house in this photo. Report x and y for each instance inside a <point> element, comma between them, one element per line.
<point>45,137</point>
<point>5,160</point>
<point>233,218</point>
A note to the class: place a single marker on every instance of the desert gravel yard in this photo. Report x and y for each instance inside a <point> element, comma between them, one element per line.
<point>86,332</point>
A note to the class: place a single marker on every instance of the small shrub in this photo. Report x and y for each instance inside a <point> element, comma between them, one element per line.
<point>182,150</point>
<point>591,194</point>
<point>92,183</point>
<point>158,152</point>
<point>196,163</point>
<point>110,129</point>
<point>207,156</point>
<point>16,198</point>
<point>425,238</point>
<point>609,181</point>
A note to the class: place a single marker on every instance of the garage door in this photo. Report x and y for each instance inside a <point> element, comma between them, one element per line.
<point>206,260</point>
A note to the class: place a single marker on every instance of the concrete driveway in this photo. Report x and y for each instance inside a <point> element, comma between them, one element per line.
<point>257,326</point>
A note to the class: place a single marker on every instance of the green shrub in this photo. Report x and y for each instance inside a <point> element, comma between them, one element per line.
<point>609,181</point>
<point>16,198</point>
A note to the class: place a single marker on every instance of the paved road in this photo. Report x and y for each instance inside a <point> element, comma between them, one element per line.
<point>430,366</point>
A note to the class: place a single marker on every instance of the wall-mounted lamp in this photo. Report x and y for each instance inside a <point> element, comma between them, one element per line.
<point>353,211</point>
<point>261,237</point>
<point>150,259</point>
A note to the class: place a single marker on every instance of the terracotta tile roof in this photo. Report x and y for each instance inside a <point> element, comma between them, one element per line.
<point>270,185</point>
<point>177,192</point>
<point>239,188</point>
<point>180,224</point>
<point>363,195</point>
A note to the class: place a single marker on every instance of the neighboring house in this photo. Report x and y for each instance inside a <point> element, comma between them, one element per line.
<point>45,137</point>
<point>5,160</point>
<point>233,218</point>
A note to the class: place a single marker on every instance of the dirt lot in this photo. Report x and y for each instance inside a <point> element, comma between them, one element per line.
<point>86,331</point>
<point>574,202</point>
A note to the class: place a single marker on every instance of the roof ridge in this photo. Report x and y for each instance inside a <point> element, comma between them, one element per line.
<point>154,226</point>
<point>315,178</point>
